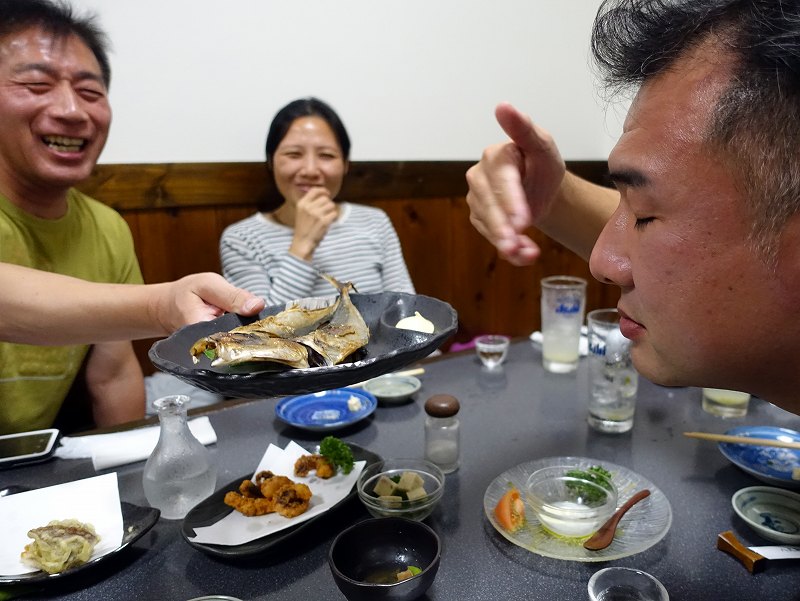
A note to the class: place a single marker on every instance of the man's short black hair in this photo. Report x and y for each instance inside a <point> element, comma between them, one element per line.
<point>59,19</point>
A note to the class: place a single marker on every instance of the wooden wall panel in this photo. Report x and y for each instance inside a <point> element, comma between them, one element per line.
<point>177,213</point>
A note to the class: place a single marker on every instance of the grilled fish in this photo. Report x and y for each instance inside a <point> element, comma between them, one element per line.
<point>344,334</point>
<point>333,332</point>
<point>293,321</point>
<point>234,347</point>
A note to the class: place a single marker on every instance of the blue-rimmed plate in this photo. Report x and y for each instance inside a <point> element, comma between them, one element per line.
<point>326,410</point>
<point>772,465</point>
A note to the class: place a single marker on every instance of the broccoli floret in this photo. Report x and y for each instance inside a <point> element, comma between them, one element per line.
<point>337,452</point>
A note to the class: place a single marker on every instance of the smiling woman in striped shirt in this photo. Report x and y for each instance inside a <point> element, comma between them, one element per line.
<point>280,254</point>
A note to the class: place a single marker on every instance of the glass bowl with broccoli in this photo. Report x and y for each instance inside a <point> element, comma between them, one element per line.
<point>408,488</point>
<point>572,501</point>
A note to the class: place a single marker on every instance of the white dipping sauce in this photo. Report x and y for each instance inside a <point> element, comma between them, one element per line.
<point>416,322</point>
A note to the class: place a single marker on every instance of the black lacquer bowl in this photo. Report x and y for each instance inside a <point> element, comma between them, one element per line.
<point>365,558</point>
<point>389,349</point>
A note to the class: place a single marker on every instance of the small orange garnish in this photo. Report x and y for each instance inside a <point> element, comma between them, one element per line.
<point>510,511</point>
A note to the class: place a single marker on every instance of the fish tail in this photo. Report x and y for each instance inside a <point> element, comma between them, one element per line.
<point>341,287</point>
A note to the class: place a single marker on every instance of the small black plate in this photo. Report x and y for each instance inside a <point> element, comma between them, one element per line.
<point>136,521</point>
<point>389,349</point>
<point>213,509</point>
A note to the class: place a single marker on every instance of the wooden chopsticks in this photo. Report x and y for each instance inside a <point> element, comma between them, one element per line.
<point>761,442</point>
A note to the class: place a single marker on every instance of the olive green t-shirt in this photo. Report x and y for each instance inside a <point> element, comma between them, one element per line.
<point>91,242</point>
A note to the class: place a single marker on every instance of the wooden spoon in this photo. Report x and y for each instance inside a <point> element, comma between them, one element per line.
<point>603,537</point>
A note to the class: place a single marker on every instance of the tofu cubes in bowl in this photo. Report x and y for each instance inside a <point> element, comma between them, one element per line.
<point>408,488</point>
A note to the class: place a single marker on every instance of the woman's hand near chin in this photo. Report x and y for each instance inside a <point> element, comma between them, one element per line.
<point>314,214</point>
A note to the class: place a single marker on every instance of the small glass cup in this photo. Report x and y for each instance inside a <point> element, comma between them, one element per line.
<point>725,403</point>
<point>625,584</point>
<point>492,349</point>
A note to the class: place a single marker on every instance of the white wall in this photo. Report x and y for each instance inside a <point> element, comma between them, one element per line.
<point>200,80</point>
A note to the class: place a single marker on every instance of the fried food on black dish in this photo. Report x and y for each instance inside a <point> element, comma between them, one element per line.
<point>270,494</point>
<point>318,463</point>
<point>292,500</point>
<point>59,546</point>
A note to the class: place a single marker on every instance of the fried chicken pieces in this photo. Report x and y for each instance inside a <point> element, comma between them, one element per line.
<point>278,494</point>
<point>318,463</point>
<point>270,494</point>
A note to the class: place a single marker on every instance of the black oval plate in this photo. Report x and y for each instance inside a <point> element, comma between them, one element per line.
<point>136,520</point>
<point>213,509</point>
<point>389,349</point>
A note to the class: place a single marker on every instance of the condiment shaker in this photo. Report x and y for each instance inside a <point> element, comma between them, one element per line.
<point>442,432</point>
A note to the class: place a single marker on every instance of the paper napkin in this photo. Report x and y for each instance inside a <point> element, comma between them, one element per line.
<point>119,448</point>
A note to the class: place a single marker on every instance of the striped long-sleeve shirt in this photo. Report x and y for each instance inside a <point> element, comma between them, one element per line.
<point>361,246</point>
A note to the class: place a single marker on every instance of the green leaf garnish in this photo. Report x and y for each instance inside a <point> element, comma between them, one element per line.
<point>596,474</point>
<point>337,452</point>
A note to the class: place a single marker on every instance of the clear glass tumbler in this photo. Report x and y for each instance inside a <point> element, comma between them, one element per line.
<point>613,381</point>
<point>563,305</point>
<point>725,403</point>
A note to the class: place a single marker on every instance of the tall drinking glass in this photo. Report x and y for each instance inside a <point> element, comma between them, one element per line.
<point>563,306</point>
<point>614,381</point>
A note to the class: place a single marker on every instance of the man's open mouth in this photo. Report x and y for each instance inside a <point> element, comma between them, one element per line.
<point>64,143</point>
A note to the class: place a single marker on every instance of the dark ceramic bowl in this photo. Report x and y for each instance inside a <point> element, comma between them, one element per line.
<point>365,559</point>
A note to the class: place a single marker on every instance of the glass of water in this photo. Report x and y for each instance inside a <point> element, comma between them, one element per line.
<point>563,305</point>
<point>613,379</point>
<point>625,584</point>
<point>492,350</point>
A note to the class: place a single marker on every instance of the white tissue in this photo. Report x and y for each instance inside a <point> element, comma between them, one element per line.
<point>119,448</point>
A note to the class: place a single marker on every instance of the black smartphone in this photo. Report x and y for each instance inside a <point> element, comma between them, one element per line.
<point>27,447</point>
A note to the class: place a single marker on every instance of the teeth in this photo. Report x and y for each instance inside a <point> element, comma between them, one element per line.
<point>64,144</point>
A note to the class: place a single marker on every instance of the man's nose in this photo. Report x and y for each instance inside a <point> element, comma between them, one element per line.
<point>66,102</point>
<point>610,261</point>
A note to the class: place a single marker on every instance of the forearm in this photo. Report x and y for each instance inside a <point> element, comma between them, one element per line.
<point>579,214</point>
<point>115,384</point>
<point>37,307</point>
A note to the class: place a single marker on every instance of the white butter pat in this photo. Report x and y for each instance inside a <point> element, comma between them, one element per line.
<point>417,323</point>
<point>354,404</point>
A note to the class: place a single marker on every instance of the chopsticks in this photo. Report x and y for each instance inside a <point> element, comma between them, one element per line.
<point>410,372</point>
<point>761,442</point>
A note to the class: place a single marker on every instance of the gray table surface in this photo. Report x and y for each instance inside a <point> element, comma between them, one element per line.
<point>509,417</point>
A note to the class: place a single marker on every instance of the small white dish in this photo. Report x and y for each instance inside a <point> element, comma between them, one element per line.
<point>773,513</point>
<point>392,388</point>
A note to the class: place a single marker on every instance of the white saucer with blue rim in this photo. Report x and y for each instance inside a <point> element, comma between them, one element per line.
<point>771,512</point>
